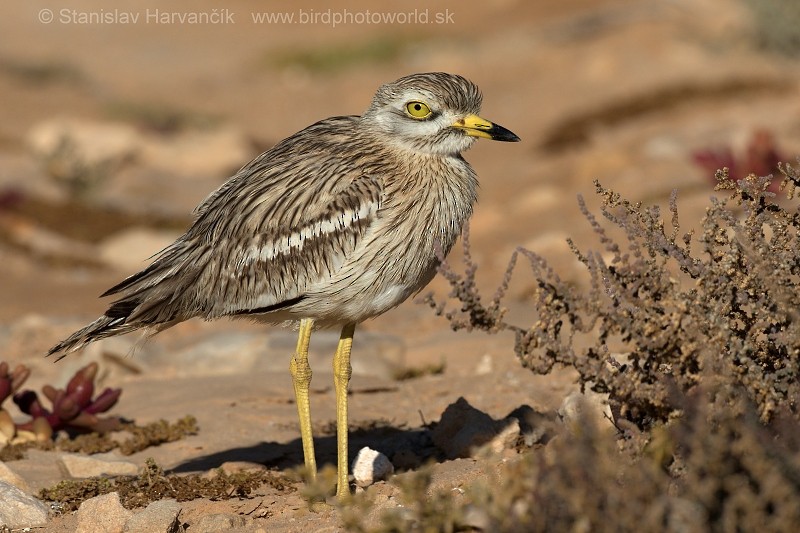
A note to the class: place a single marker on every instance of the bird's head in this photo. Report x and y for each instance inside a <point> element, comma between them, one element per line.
<point>434,113</point>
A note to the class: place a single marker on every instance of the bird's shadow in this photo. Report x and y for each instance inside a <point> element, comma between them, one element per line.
<point>385,438</point>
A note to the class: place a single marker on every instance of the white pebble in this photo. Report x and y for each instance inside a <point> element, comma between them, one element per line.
<point>370,466</point>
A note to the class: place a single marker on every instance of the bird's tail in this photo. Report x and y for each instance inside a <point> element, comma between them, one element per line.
<point>148,302</point>
<point>151,300</point>
<point>103,327</point>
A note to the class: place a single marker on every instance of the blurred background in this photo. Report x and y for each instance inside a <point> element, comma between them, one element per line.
<point>117,119</point>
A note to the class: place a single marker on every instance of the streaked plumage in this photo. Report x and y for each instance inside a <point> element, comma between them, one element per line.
<point>333,225</point>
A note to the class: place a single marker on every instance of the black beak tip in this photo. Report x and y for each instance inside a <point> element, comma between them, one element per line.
<point>499,133</point>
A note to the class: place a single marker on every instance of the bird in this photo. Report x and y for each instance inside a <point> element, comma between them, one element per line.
<point>334,225</point>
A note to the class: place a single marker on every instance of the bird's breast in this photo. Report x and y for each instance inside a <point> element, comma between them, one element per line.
<point>420,217</point>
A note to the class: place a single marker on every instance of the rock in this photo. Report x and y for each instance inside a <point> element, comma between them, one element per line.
<point>129,249</point>
<point>81,466</point>
<point>217,522</point>
<point>23,436</point>
<point>222,354</point>
<point>93,142</point>
<point>578,409</point>
<point>485,365</point>
<point>82,153</point>
<point>256,508</point>
<point>19,510</point>
<point>229,353</point>
<point>102,514</point>
<point>7,427</point>
<point>535,427</point>
<point>12,478</point>
<point>44,243</point>
<point>158,517</point>
<point>233,467</point>
<point>505,439</point>
<point>475,518</point>
<point>370,466</point>
<point>463,430</point>
<point>214,152</point>
<point>387,355</point>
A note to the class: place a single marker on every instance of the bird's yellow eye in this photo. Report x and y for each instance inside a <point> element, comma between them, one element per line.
<point>418,110</point>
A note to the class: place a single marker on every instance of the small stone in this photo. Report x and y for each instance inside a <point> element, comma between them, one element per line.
<point>80,466</point>
<point>7,427</point>
<point>577,409</point>
<point>89,142</point>
<point>102,514</point>
<point>12,478</point>
<point>254,507</point>
<point>223,354</point>
<point>233,467</point>
<point>19,510</point>
<point>24,436</point>
<point>464,430</point>
<point>475,518</point>
<point>197,152</point>
<point>505,439</point>
<point>158,517</point>
<point>217,522</point>
<point>536,427</point>
<point>484,366</point>
<point>370,466</point>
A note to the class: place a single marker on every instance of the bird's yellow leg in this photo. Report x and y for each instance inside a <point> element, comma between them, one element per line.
<point>341,378</point>
<point>301,379</point>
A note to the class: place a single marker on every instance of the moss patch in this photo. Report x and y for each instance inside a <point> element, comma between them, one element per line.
<point>153,485</point>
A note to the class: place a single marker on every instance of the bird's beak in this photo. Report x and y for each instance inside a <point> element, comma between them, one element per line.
<point>475,126</point>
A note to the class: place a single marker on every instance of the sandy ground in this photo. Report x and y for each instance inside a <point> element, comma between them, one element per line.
<point>237,87</point>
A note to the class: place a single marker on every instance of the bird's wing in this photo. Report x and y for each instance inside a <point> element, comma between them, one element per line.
<point>287,220</point>
<point>272,266</point>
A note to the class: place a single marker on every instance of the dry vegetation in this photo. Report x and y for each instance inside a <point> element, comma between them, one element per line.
<point>667,307</point>
<point>153,485</point>
<point>695,341</point>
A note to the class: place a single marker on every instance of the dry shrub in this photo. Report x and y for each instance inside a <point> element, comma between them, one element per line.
<point>695,340</point>
<point>667,307</point>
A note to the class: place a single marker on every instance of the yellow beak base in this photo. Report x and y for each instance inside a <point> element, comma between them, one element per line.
<point>475,126</point>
